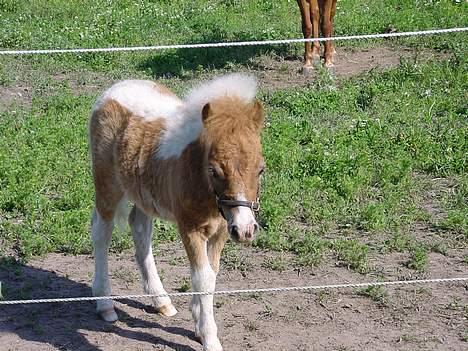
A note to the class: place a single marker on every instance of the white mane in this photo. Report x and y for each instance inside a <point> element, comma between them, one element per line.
<point>184,128</point>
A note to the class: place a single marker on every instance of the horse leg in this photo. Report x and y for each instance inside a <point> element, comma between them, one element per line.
<point>327,28</point>
<point>203,279</point>
<point>306,31</point>
<point>315,19</point>
<point>101,235</point>
<point>142,231</point>
<point>332,18</point>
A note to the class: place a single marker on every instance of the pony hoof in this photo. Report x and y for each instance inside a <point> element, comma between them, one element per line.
<point>167,310</point>
<point>329,64</point>
<point>108,315</point>
<point>214,345</point>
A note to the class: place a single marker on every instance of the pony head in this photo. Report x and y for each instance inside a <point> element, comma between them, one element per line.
<point>235,162</point>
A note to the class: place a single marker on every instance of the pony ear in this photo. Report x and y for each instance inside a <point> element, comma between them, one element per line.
<point>258,114</point>
<point>206,112</point>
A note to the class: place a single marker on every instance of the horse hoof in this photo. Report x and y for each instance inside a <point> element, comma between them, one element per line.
<point>307,70</point>
<point>108,315</point>
<point>167,310</point>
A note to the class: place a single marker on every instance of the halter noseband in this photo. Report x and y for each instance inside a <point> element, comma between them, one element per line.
<point>253,205</point>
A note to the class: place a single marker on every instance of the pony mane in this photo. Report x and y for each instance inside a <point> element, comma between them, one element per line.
<point>184,128</point>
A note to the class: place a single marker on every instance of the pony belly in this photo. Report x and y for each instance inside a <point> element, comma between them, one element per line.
<point>152,207</point>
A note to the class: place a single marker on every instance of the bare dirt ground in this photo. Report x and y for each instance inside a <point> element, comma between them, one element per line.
<point>428,317</point>
<point>280,73</point>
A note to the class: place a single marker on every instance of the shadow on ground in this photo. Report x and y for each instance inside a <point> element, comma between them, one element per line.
<point>177,63</point>
<point>65,325</point>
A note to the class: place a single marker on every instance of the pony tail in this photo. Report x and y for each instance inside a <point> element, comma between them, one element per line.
<point>121,214</point>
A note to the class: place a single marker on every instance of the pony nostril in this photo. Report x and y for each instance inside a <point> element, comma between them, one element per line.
<point>235,231</point>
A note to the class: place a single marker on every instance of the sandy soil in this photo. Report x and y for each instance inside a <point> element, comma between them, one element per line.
<point>429,317</point>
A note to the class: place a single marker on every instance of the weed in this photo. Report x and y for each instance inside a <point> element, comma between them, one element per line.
<point>276,263</point>
<point>251,326</point>
<point>419,259</point>
<point>352,254</point>
<point>184,285</point>
<point>233,259</point>
<point>377,293</point>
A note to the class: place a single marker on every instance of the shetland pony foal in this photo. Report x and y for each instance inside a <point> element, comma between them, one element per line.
<point>191,161</point>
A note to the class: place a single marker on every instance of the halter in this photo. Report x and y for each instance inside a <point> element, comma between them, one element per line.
<point>253,205</point>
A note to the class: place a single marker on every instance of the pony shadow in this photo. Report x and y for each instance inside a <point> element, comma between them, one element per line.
<point>65,325</point>
<point>182,63</point>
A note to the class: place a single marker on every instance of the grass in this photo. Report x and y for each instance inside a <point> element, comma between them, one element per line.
<point>377,294</point>
<point>344,158</point>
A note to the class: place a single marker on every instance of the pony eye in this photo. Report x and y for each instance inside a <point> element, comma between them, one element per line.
<point>261,171</point>
<point>212,171</point>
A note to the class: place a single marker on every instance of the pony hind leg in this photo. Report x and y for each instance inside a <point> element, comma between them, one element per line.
<point>101,236</point>
<point>142,230</point>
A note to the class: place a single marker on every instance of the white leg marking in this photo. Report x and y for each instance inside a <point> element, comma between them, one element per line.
<point>142,230</point>
<point>195,309</point>
<point>204,279</point>
<point>101,235</point>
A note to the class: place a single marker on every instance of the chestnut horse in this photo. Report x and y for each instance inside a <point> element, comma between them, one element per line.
<point>196,162</point>
<point>315,14</point>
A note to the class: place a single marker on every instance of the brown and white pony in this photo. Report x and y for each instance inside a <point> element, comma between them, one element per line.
<point>315,14</point>
<point>195,161</point>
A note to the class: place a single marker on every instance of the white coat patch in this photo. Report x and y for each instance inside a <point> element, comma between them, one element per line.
<point>183,122</point>
<point>142,98</point>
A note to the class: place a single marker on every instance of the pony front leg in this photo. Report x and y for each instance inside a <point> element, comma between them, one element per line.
<point>203,279</point>
<point>142,231</point>
<point>101,235</point>
<point>215,247</point>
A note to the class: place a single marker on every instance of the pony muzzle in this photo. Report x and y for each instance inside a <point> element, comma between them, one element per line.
<point>240,216</point>
<point>243,235</point>
<point>242,227</point>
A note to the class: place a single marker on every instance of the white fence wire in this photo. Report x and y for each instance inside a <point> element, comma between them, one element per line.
<point>242,291</point>
<point>231,44</point>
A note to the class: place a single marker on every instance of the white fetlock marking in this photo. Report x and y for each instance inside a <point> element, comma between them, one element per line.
<point>204,279</point>
<point>101,235</point>
<point>195,309</point>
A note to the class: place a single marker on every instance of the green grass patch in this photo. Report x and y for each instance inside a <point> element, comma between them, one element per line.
<point>342,157</point>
